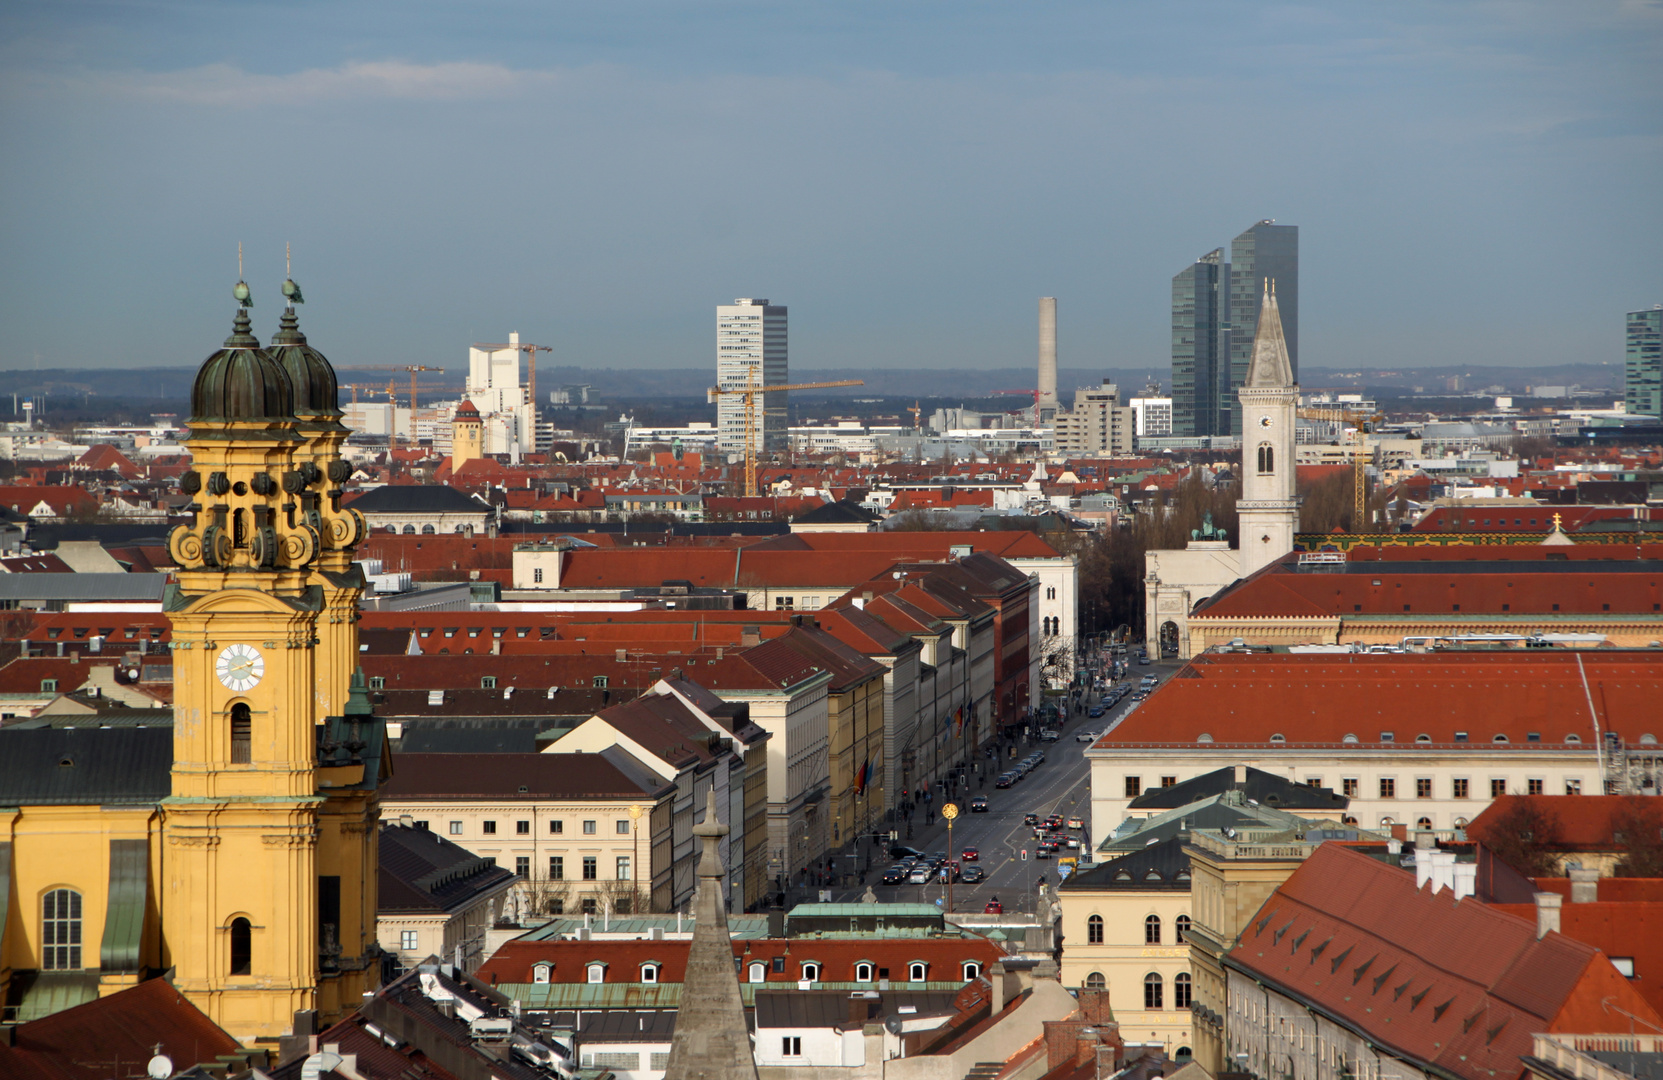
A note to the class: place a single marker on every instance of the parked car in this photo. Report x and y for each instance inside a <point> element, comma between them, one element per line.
<point>973,875</point>
<point>970,854</point>
<point>978,805</point>
<point>1049,736</point>
<point>1005,780</point>
<point>1095,712</point>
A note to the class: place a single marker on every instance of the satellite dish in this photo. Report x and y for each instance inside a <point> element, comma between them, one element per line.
<point>160,1067</point>
<point>893,1025</point>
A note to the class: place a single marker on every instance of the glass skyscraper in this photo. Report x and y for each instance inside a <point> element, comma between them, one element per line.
<point>1265,251</point>
<point>1199,379</point>
<point>1643,377</point>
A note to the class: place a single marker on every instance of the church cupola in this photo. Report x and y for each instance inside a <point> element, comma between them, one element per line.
<point>241,381</point>
<point>315,392</point>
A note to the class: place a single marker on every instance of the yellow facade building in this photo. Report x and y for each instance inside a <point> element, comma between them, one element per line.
<point>236,852</point>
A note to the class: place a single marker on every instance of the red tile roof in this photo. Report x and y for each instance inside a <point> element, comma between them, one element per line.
<point>1585,821</point>
<point>1616,927</point>
<point>84,1042</point>
<point>837,958</point>
<point>1454,984</point>
<point>1322,699</point>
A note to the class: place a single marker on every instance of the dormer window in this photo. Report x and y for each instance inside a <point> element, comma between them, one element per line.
<point>597,973</point>
<point>759,972</point>
<point>649,972</point>
<point>863,972</point>
<point>917,970</point>
<point>972,970</point>
<point>811,971</point>
<point>540,973</point>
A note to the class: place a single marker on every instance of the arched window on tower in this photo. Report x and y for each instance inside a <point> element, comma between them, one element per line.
<point>242,947</point>
<point>1267,459</point>
<point>242,735</point>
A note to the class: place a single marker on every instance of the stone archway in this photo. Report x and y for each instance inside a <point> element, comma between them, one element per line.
<point>1169,639</point>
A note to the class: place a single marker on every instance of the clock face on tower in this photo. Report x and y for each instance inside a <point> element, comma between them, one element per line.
<point>1264,421</point>
<point>240,667</point>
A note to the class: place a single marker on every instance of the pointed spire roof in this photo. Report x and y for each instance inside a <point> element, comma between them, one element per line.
<point>711,1041</point>
<point>1270,366</point>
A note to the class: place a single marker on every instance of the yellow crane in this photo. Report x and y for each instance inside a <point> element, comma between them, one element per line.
<point>531,352</point>
<point>916,412</point>
<point>749,394</point>
<point>411,368</point>
<point>1359,453</point>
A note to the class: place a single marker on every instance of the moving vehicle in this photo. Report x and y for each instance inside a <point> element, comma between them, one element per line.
<point>978,805</point>
<point>1030,819</point>
<point>970,854</point>
<point>1095,712</point>
<point>973,875</point>
<point>994,907</point>
<point>920,875</point>
<point>894,875</point>
<point>1049,735</point>
<point>901,851</point>
<point>1087,736</point>
<point>1005,780</point>
<point>1076,823</point>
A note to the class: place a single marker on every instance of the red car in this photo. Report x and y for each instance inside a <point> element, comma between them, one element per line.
<point>970,854</point>
<point>994,907</point>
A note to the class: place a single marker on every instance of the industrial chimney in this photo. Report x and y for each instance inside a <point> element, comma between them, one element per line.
<point>1047,352</point>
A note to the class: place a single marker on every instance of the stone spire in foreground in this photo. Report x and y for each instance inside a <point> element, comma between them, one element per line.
<point>711,1041</point>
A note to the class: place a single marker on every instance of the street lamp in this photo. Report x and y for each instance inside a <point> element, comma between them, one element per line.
<point>635,859</point>
<point>950,811</point>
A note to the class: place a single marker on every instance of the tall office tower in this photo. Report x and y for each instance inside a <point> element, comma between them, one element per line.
<point>1047,384</point>
<point>506,410</point>
<point>1643,381</point>
<point>1265,252</point>
<point>751,351</point>
<point>1198,384</point>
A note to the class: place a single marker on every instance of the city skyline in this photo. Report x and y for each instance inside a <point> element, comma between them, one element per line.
<point>893,151</point>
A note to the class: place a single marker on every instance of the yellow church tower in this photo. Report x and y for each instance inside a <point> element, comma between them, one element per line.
<point>268,890</point>
<point>467,436</point>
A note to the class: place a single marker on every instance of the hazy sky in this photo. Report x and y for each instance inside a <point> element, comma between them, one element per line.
<point>1474,182</point>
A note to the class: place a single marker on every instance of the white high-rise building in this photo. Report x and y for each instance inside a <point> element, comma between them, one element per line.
<point>751,351</point>
<point>504,403</point>
<point>1152,416</point>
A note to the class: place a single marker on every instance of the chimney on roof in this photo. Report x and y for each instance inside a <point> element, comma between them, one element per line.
<point>996,979</point>
<point>1547,913</point>
<point>1584,886</point>
<point>1241,775</point>
<point>750,635</point>
<point>621,655</point>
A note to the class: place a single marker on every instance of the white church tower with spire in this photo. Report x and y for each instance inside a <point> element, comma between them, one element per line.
<point>1268,508</point>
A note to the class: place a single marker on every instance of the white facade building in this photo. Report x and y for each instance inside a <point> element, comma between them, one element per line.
<point>1151,417</point>
<point>751,351</point>
<point>506,413</point>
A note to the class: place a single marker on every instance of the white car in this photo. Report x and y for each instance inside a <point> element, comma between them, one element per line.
<point>920,876</point>
<point>1088,736</point>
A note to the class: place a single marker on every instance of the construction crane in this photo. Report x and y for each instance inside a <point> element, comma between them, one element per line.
<point>531,352</point>
<point>1035,394</point>
<point>748,394</point>
<point>1359,453</point>
<point>392,410</point>
<point>916,412</point>
<point>411,368</point>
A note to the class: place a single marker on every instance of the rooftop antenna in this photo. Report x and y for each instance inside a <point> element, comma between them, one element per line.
<point>241,290</point>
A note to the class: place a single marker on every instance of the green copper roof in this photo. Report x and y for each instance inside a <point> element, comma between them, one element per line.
<point>315,391</point>
<point>241,381</point>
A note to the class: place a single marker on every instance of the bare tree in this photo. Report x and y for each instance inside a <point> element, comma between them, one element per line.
<point>1525,835</point>
<point>1637,827</point>
<point>545,896</point>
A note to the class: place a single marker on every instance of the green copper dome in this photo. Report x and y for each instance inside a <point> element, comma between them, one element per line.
<point>242,381</point>
<point>315,393</point>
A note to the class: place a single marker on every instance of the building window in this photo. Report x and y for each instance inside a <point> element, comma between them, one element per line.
<point>1624,966</point>
<point>1152,930</point>
<point>623,868</point>
<point>759,973</point>
<point>522,866</point>
<point>1460,788</point>
<point>1095,981</point>
<point>1498,788</point>
<point>242,735</point>
<point>522,828</point>
<point>811,972</point>
<point>1313,781</point>
<point>1094,930</point>
<point>1388,787</point>
<point>649,973</point>
<point>242,947</point>
<point>1134,786</point>
<point>622,827</point>
<point>410,941</point>
<point>540,974</point>
<point>378,682</point>
<point>779,965</point>
<point>1050,592</point>
<point>1573,787</point>
<point>487,682</point>
<point>1424,824</point>
<point>1534,786</point>
<point>488,827</point>
<point>916,971</point>
<point>557,868</point>
<point>49,686</point>
<point>590,868</point>
<point>537,575</point>
<point>1349,786</point>
<point>1267,459</point>
<point>1152,991</point>
<point>1423,787</point>
<point>1169,781</point>
<point>1181,990</point>
<point>972,970</point>
<point>1181,929</point>
<point>785,603</point>
<point>589,828</point>
<point>863,972</point>
<point>791,1046</point>
<point>589,906</point>
<point>456,828</point>
<point>61,930</point>
<point>597,973</point>
<point>557,828</point>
